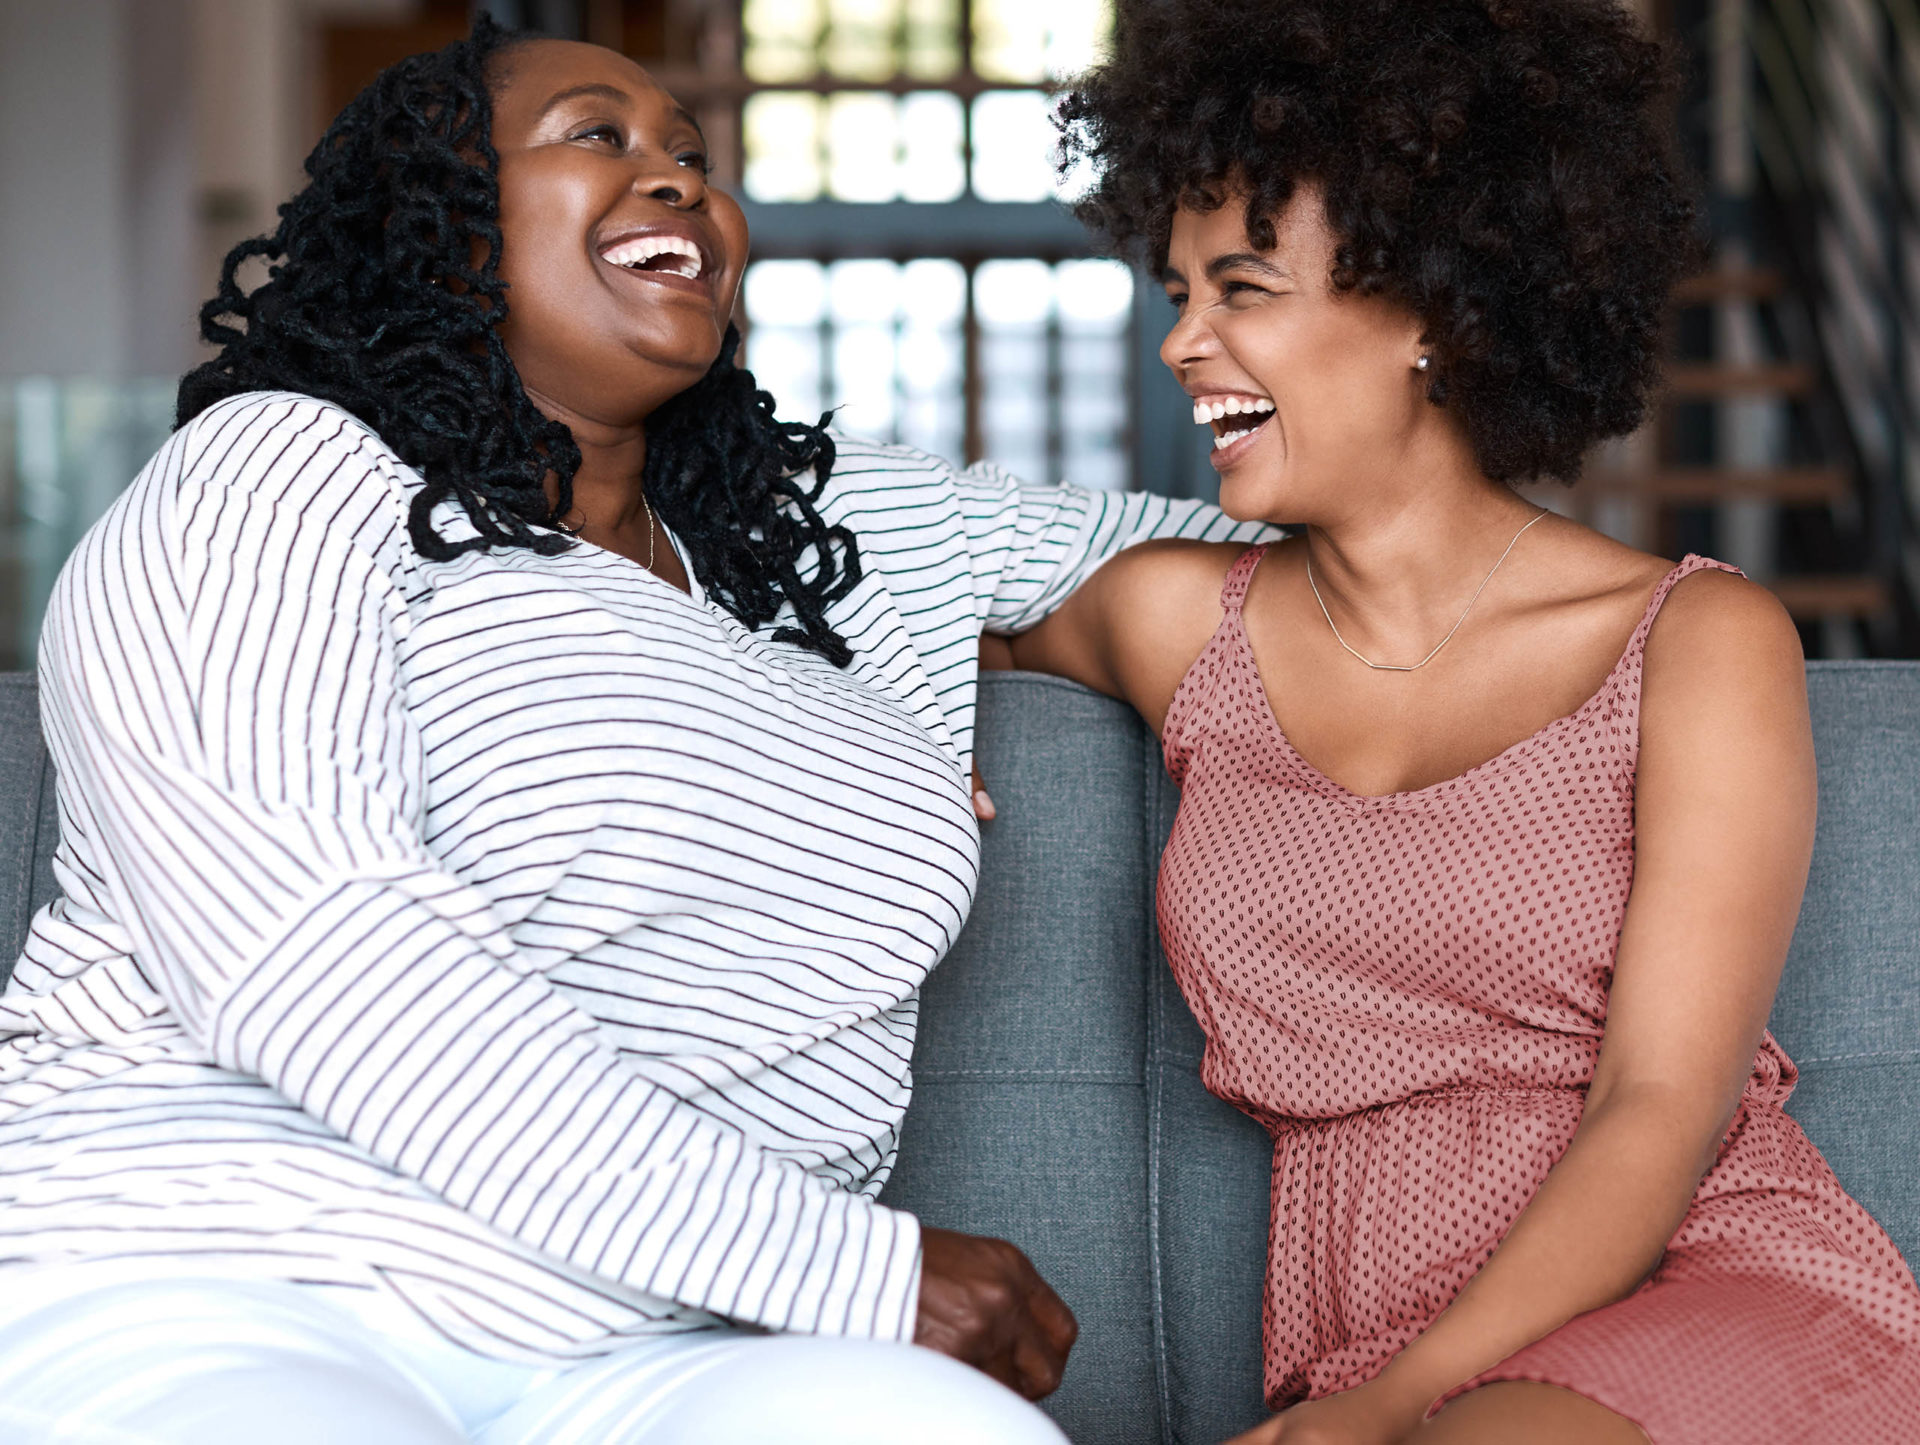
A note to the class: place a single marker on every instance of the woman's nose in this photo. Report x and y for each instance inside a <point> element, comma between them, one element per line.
<point>683,189</point>
<point>1189,340</point>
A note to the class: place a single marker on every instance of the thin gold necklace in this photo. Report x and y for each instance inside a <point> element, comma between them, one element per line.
<point>653,534</point>
<point>1416,666</point>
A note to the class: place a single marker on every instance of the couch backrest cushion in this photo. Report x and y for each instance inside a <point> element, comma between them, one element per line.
<point>29,818</point>
<point>1848,1012</point>
<point>1212,1167</point>
<point>1029,1110</point>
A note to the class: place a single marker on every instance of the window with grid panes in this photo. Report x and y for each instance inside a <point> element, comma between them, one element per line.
<point>916,273</point>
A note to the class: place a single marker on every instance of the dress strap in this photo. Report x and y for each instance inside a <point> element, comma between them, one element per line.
<point>1693,562</point>
<point>1233,592</point>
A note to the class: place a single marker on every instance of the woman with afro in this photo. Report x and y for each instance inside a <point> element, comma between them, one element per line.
<point>511,790</point>
<point>1493,831</point>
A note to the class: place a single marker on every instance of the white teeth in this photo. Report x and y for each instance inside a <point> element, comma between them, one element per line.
<point>1227,439</point>
<point>1208,411</point>
<point>642,249</point>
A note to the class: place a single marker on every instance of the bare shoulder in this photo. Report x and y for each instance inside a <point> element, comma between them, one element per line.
<point>1724,690</point>
<point>1140,620</point>
<point>1722,655</point>
<point>1718,625</point>
<point>1174,573</point>
<point>1179,561</point>
<point>1158,605</point>
<point>1169,598</point>
<point>1167,595</point>
<point>1712,622</point>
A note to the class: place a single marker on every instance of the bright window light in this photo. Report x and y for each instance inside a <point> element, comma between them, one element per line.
<point>931,357</point>
<point>861,39</point>
<point>1013,301</point>
<point>931,130</point>
<point>855,146</point>
<point>863,375</point>
<point>1015,42</point>
<point>786,293</point>
<point>782,39</point>
<point>1094,296</point>
<point>783,146</point>
<point>1030,41</point>
<point>863,147</point>
<point>883,343</point>
<point>933,292</point>
<point>1013,146</point>
<point>863,291</point>
<point>931,39</point>
<point>1010,294</point>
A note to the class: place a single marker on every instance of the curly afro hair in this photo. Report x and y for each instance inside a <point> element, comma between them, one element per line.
<point>403,197</point>
<point>1502,168</point>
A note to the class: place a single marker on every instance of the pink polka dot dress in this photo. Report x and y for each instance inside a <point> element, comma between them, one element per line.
<point>1409,992</point>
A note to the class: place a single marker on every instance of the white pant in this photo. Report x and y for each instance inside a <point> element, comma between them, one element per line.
<point>213,1362</point>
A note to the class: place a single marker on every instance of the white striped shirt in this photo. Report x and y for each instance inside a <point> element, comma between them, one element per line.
<point>516,936</point>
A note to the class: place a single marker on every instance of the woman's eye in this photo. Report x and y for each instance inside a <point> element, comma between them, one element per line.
<point>1176,301</point>
<point>607,133</point>
<point>695,161</point>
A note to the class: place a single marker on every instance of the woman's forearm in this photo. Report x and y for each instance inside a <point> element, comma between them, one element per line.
<point>1590,1236</point>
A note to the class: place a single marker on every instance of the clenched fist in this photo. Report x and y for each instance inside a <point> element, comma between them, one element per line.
<point>982,1302</point>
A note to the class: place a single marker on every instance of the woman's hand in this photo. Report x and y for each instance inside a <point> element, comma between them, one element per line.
<point>996,655</point>
<point>1366,1415</point>
<point>983,808</point>
<point>983,1303</point>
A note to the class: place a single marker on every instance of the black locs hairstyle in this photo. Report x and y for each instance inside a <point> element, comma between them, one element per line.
<point>1502,168</point>
<point>384,297</point>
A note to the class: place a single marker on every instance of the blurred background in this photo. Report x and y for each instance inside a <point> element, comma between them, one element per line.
<point>915,268</point>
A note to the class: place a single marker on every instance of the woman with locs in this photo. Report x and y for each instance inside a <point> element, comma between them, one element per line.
<point>1493,831</point>
<point>512,788</point>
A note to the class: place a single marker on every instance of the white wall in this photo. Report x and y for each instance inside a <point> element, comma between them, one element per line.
<point>139,141</point>
<point>64,252</point>
<point>96,187</point>
<point>253,97</point>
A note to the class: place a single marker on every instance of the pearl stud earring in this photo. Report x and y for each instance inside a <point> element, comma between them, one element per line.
<point>1422,363</point>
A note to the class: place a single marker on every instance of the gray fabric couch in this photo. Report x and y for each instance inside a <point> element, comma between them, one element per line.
<point>1058,1103</point>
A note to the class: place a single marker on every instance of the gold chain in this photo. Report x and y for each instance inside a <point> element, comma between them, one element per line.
<point>1415,666</point>
<point>653,529</point>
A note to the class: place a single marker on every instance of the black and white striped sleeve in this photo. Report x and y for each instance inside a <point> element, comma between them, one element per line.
<point>1032,546</point>
<point>225,701</point>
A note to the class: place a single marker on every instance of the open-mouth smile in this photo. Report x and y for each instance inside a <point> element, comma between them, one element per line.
<point>1236,418</point>
<point>662,257</point>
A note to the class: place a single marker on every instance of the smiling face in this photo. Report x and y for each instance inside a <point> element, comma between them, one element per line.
<point>621,261</point>
<point>1311,394</point>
